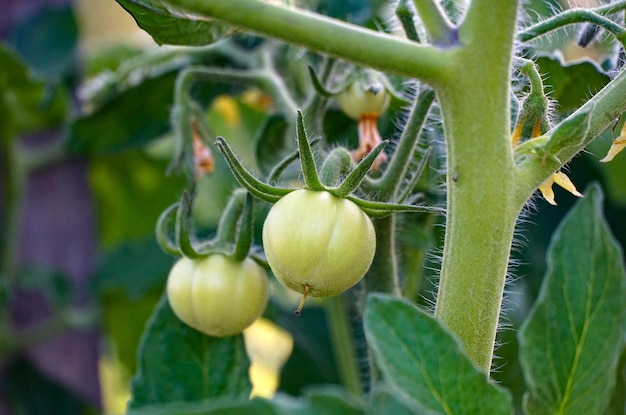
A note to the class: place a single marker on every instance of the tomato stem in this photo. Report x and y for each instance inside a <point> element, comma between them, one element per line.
<point>307,287</point>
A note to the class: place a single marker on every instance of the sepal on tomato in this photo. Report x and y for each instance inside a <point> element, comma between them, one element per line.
<point>307,161</point>
<point>245,231</point>
<point>162,233</point>
<point>255,186</point>
<point>273,194</point>
<point>356,176</point>
<point>321,89</point>
<point>234,233</point>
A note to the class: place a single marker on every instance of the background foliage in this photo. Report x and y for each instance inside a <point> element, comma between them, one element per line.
<point>109,111</point>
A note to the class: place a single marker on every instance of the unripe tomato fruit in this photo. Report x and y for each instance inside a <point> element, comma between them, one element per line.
<point>217,295</point>
<point>318,240</point>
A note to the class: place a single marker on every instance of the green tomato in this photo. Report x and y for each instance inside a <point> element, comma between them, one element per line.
<point>317,243</point>
<point>217,295</point>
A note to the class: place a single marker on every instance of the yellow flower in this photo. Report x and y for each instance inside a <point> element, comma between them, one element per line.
<point>618,145</point>
<point>562,180</point>
<point>559,177</point>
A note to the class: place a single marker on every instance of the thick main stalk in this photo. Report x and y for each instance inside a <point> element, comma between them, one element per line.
<point>481,214</point>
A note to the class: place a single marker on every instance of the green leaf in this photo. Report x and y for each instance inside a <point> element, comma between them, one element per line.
<point>25,104</point>
<point>134,268</point>
<point>47,40</point>
<point>25,390</point>
<point>270,144</point>
<point>125,337</point>
<point>312,360</point>
<point>178,363</point>
<point>129,121</point>
<point>570,132</point>
<point>424,364</point>
<point>384,402</point>
<point>168,27</point>
<point>321,401</point>
<point>563,82</point>
<point>220,406</point>
<point>131,192</point>
<point>571,342</point>
<point>617,406</point>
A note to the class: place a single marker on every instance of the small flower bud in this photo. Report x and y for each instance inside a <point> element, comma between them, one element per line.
<point>366,96</point>
<point>365,100</point>
<point>203,160</point>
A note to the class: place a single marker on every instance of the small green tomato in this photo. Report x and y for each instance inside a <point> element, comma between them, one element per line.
<point>318,244</point>
<point>217,295</point>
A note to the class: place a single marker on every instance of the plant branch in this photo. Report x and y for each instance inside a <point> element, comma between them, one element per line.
<point>325,35</point>
<point>265,79</point>
<point>606,106</point>
<point>438,27</point>
<point>612,8</point>
<point>573,16</point>
<point>405,15</point>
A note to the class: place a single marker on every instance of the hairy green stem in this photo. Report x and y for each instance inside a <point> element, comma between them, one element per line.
<point>453,9</point>
<point>388,185</point>
<point>383,274</point>
<point>480,215</point>
<point>611,8</point>
<point>569,17</point>
<point>266,79</point>
<point>405,15</point>
<point>438,27</point>
<point>343,345</point>
<point>328,36</point>
<point>316,104</point>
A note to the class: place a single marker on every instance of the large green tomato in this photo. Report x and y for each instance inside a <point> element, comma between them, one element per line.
<point>318,243</point>
<point>217,295</point>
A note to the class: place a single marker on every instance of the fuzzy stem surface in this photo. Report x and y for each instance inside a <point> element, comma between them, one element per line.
<point>326,35</point>
<point>480,213</point>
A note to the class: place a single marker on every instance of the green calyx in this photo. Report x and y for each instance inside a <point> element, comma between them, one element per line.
<point>335,167</point>
<point>234,233</point>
